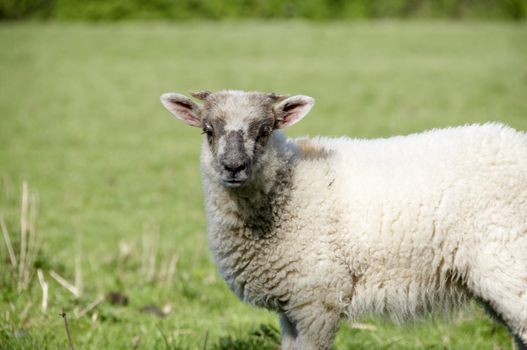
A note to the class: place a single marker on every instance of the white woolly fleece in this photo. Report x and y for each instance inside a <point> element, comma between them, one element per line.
<point>333,228</point>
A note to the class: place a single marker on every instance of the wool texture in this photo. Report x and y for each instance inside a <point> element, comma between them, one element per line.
<point>333,228</point>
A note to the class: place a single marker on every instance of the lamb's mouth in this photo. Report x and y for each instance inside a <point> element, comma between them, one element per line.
<point>233,182</point>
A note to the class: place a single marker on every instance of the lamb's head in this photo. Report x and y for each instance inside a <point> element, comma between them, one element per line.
<point>237,126</point>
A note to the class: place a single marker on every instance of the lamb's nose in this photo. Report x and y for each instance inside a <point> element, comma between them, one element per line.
<point>235,166</point>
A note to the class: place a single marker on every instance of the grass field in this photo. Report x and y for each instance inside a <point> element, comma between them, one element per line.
<point>117,179</point>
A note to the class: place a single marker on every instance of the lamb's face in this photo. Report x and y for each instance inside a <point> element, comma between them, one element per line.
<point>237,126</point>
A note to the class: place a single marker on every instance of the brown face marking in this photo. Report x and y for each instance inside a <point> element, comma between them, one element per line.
<point>235,155</point>
<point>310,150</point>
<point>201,95</point>
<point>276,97</point>
<point>260,130</point>
<point>214,129</point>
<point>261,127</point>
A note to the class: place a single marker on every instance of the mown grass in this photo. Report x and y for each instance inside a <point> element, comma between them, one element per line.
<point>81,122</point>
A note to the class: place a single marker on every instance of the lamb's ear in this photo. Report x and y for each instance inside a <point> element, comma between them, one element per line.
<point>292,110</point>
<point>182,107</point>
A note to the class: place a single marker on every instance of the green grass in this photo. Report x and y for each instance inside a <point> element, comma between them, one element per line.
<point>81,121</point>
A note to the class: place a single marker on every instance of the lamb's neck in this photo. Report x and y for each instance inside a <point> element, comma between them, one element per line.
<point>253,209</point>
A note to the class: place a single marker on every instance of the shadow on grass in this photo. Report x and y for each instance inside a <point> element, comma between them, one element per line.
<point>265,337</point>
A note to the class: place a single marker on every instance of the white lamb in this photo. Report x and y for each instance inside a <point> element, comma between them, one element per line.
<point>321,229</point>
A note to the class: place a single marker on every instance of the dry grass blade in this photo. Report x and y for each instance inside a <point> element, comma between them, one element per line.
<point>125,250</point>
<point>29,242</point>
<point>90,306</point>
<point>25,310</point>
<point>150,243</point>
<point>363,326</point>
<point>7,240</point>
<point>94,318</point>
<point>44,286</point>
<point>33,242</point>
<point>73,290</point>
<point>170,270</point>
<point>23,234</point>
<point>79,285</point>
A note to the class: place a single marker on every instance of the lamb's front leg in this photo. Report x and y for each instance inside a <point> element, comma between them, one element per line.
<point>289,333</point>
<point>313,330</point>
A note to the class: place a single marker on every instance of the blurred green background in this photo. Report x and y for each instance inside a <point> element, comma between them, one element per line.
<point>115,179</point>
<point>243,9</point>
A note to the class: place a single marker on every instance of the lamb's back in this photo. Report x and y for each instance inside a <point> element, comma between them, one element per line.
<point>423,162</point>
<point>403,195</point>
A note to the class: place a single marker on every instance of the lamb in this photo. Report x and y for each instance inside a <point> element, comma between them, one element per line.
<point>321,229</point>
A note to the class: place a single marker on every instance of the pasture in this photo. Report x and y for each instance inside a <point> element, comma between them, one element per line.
<point>116,178</point>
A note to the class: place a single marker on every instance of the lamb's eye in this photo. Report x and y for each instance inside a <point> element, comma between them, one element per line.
<point>266,130</point>
<point>263,134</point>
<point>207,129</point>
